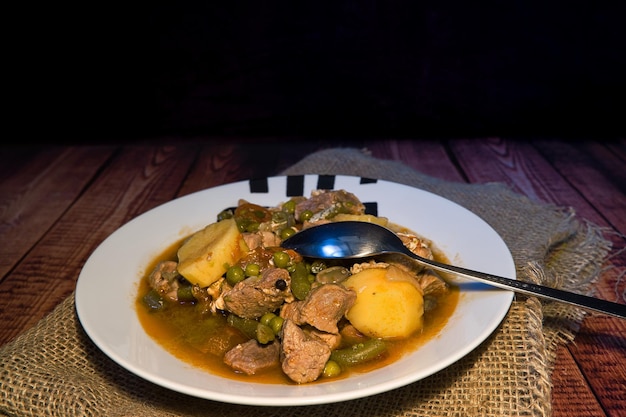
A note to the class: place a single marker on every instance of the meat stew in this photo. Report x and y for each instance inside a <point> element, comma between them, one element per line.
<point>268,315</point>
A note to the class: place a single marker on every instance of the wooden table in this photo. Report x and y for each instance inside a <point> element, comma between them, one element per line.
<point>58,203</point>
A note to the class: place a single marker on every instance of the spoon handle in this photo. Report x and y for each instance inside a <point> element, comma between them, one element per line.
<point>607,307</point>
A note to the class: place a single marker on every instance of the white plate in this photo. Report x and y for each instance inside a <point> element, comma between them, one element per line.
<point>107,287</point>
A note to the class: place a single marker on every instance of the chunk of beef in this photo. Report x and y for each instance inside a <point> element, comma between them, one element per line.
<point>302,357</point>
<point>252,357</point>
<point>333,340</point>
<point>432,283</point>
<point>164,279</point>
<point>255,296</point>
<point>325,204</point>
<point>322,308</point>
<point>433,287</point>
<point>416,244</point>
<point>261,239</point>
<point>291,311</point>
<point>351,335</point>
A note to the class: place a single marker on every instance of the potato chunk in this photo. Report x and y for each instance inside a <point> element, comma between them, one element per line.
<point>389,303</point>
<point>207,254</point>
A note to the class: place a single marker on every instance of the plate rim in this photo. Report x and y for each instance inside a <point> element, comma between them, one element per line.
<point>94,335</point>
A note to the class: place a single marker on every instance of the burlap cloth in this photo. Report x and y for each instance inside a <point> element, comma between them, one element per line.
<point>53,369</point>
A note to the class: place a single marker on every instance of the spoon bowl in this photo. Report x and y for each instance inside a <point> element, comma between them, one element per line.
<point>354,240</point>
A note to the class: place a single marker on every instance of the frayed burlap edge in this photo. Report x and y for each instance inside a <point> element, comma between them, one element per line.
<point>53,369</point>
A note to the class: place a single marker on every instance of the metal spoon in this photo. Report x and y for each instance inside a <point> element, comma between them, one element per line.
<point>353,239</point>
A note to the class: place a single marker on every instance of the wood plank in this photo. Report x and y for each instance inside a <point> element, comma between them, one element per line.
<point>595,171</point>
<point>14,158</point>
<point>521,166</point>
<point>599,175</point>
<point>512,162</point>
<point>138,179</point>
<point>600,350</point>
<point>222,161</point>
<point>528,172</point>
<point>570,392</point>
<point>38,192</point>
<point>617,147</point>
<point>429,157</point>
<point>216,164</point>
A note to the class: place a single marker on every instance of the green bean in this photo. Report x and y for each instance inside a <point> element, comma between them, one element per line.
<point>184,293</point>
<point>359,353</point>
<point>280,219</point>
<point>225,214</point>
<point>318,266</point>
<point>153,300</point>
<point>300,285</point>
<point>245,326</point>
<point>252,329</point>
<point>334,274</point>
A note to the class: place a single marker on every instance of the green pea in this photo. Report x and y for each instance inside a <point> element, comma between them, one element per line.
<point>306,215</point>
<point>287,232</point>
<point>331,369</point>
<point>281,259</point>
<point>276,324</point>
<point>289,206</point>
<point>266,318</point>
<point>252,270</point>
<point>264,334</point>
<point>252,227</point>
<point>235,274</point>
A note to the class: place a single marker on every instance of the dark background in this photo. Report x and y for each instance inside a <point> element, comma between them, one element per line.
<point>347,68</point>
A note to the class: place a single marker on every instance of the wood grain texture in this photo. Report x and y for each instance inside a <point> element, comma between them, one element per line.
<point>569,384</point>
<point>135,181</point>
<point>37,193</point>
<point>528,171</point>
<point>596,172</point>
<point>58,204</point>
